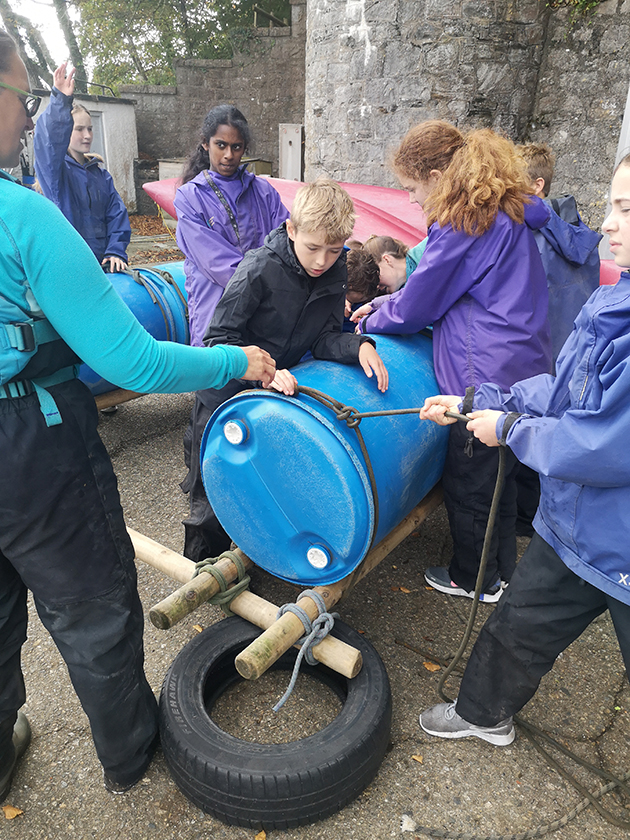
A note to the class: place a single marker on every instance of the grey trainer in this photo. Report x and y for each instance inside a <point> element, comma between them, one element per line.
<point>444,722</point>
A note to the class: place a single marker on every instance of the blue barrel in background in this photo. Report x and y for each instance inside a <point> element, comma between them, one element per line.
<point>288,480</point>
<point>157,298</point>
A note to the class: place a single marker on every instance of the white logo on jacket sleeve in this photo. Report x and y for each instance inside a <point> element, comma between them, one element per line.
<point>624,578</point>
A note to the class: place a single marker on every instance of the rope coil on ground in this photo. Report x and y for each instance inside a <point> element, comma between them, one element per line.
<point>540,831</point>
<point>228,593</point>
<point>315,631</point>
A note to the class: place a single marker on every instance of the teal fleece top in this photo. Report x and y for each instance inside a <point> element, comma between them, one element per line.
<point>46,267</point>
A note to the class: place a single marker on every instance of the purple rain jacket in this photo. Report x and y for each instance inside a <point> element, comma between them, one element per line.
<point>85,193</point>
<point>487,299</point>
<point>208,240</point>
<point>574,431</point>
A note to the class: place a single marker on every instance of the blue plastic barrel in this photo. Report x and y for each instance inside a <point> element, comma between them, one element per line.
<point>157,298</point>
<point>288,480</point>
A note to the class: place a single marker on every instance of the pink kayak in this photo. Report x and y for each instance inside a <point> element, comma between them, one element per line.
<point>380,210</point>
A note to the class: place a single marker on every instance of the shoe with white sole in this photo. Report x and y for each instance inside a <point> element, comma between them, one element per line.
<point>444,722</point>
<point>439,578</point>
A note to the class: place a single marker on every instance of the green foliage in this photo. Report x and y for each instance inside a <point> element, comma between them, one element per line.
<point>579,8</point>
<point>137,41</point>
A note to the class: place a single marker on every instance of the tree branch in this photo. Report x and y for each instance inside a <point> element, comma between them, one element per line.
<point>61,8</point>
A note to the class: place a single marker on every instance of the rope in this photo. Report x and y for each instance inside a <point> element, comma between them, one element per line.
<point>352,418</point>
<point>169,280</point>
<point>163,217</point>
<point>540,831</point>
<point>227,593</point>
<point>315,631</point>
<point>156,294</point>
<point>485,552</point>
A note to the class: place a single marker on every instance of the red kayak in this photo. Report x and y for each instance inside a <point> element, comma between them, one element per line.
<point>380,210</point>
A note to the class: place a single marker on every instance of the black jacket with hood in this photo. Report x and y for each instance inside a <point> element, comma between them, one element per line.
<point>273,303</point>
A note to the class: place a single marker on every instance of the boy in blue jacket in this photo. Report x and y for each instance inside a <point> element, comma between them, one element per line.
<point>571,429</point>
<point>568,248</point>
<point>570,256</point>
<point>75,180</point>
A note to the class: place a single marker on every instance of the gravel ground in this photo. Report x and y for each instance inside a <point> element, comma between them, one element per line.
<point>466,786</point>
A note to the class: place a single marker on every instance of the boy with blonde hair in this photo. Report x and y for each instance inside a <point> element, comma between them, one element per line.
<point>290,294</point>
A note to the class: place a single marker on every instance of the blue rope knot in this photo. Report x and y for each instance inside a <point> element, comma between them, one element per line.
<point>315,631</point>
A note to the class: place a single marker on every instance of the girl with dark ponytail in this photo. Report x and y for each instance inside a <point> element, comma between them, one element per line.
<point>223,211</point>
<point>220,115</point>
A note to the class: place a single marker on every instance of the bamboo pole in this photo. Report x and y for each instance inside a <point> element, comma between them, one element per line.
<point>332,652</point>
<point>252,662</point>
<point>162,558</point>
<point>116,397</point>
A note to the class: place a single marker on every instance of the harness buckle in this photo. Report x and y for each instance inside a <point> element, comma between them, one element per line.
<point>26,337</point>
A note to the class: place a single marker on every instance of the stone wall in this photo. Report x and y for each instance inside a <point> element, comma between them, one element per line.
<point>265,79</point>
<point>580,101</point>
<point>376,67</point>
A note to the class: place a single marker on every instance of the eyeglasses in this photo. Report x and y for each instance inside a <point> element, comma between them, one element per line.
<point>31,103</point>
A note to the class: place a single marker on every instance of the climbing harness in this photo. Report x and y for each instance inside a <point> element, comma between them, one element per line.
<point>18,344</point>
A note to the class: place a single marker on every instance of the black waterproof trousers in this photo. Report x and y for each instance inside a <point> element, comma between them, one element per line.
<point>468,484</point>
<point>204,535</point>
<point>62,535</point>
<point>527,500</point>
<point>544,609</point>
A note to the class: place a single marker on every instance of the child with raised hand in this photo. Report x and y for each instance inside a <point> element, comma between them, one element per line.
<point>75,179</point>
<point>572,429</point>
<point>289,297</point>
<point>482,285</point>
<point>223,211</point>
